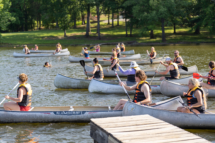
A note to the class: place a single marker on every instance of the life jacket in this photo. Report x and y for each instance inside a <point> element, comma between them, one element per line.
<point>27,50</point>
<point>26,100</point>
<point>122,49</point>
<point>176,58</point>
<point>152,54</point>
<point>211,81</point>
<point>99,74</point>
<point>114,67</point>
<point>174,73</point>
<point>191,99</point>
<point>86,55</point>
<point>139,95</point>
<point>131,77</point>
<point>118,52</point>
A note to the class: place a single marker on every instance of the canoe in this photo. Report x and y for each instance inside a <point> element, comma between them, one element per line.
<point>107,88</point>
<point>19,55</point>
<point>127,62</point>
<point>58,114</point>
<point>183,120</point>
<point>45,51</point>
<point>77,59</point>
<point>170,88</point>
<point>65,82</point>
<point>131,52</point>
<point>110,73</point>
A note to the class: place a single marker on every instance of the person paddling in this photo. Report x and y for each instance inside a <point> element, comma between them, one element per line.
<point>143,91</point>
<point>97,71</point>
<point>172,68</point>
<point>24,95</point>
<point>196,99</point>
<point>47,65</point>
<point>86,53</point>
<point>27,51</point>
<point>134,67</point>
<point>211,77</point>
<point>178,59</point>
<point>35,48</point>
<point>114,60</point>
<point>122,46</point>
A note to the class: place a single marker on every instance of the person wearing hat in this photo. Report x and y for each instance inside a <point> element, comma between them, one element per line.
<point>86,53</point>
<point>134,67</point>
<point>172,68</point>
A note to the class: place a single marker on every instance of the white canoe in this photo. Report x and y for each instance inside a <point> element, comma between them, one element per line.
<point>77,59</point>
<point>126,62</point>
<point>110,73</point>
<point>65,82</point>
<point>46,51</point>
<point>107,88</point>
<point>131,52</point>
<point>19,55</point>
<point>170,88</point>
<point>183,120</point>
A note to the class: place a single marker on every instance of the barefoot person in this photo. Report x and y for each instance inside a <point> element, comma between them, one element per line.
<point>86,53</point>
<point>134,67</point>
<point>196,99</point>
<point>211,77</point>
<point>97,71</point>
<point>172,68</point>
<point>143,89</point>
<point>35,48</point>
<point>27,51</point>
<point>24,95</point>
<point>178,59</point>
<point>47,65</point>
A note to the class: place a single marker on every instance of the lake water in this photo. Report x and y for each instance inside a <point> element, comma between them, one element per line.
<point>46,94</point>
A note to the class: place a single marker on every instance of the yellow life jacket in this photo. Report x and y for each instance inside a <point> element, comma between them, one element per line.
<point>26,100</point>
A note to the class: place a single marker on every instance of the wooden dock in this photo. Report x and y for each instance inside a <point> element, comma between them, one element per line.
<point>138,129</point>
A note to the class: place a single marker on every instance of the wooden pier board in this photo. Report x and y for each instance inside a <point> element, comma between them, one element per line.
<point>138,129</point>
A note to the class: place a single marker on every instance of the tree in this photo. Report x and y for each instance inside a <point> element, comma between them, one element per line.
<point>64,22</point>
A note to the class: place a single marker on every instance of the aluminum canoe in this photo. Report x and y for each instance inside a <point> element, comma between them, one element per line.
<point>110,73</point>
<point>77,59</point>
<point>46,51</point>
<point>107,88</point>
<point>170,88</point>
<point>183,120</point>
<point>131,52</point>
<point>19,55</point>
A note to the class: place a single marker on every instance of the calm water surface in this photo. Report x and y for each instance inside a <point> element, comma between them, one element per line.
<point>45,93</point>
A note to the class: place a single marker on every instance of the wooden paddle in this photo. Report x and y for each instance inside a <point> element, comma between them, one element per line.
<point>191,110</point>
<point>123,87</point>
<point>9,92</point>
<point>82,62</point>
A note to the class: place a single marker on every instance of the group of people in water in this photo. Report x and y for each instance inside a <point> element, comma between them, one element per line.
<point>136,80</point>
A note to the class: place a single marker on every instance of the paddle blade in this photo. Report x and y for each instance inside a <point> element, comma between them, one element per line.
<point>184,68</point>
<point>196,75</point>
<point>91,47</point>
<point>82,62</point>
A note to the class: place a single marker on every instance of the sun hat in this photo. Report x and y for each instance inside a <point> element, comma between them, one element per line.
<point>134,64</point>
<point>168,59</point>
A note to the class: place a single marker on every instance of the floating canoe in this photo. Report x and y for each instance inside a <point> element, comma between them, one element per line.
<point>183,120</point>
<point>131,52</point>
<point>65,82</point>
<point>110,73</point>
<point>19,55</point>
<point>77,59</point>
<point>107,88</point>
<point>46,51</point>
<point>126,62</point>
<point>170,88</point>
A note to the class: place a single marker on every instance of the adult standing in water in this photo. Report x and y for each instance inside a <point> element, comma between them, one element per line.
<point>122,46</point>
<point>143,89</point>
<point>178,59</point>
<point>24,95</point>
<point>97,71</point>
<point>196,99</point>
<point>134,67</point>
<point>86,53</point>
<point>152,54</point>
<point>211,77</point>
<point>27,51</point>
<point>172,68</point>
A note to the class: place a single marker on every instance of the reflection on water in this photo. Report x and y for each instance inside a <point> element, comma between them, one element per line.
<point>45,93</point>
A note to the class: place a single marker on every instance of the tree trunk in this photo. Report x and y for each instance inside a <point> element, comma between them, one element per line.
<point>64,33</point>
<point>75,21</point>
<point>88,21</point>
<point>174,29</point>
<point>131,27</point>
<point>152,34</point>
<point>112,19</point>
<point>57,26</point>
<point>126,29</point>
<point>108,16</point>
<point>37,25</point>
<point>197,31</point>
<point>118,19</point>
<point>163,31</point>
<point>82,18</point>
<point>98,22</point>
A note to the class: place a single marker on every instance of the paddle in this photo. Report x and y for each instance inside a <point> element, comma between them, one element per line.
<point>82,62</point>
<point>123,86</point>
<point>9,92</point>
<point>190,109</point>
<point>91,47</point>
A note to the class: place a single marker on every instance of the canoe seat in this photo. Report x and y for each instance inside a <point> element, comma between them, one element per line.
<point>71,108</point>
